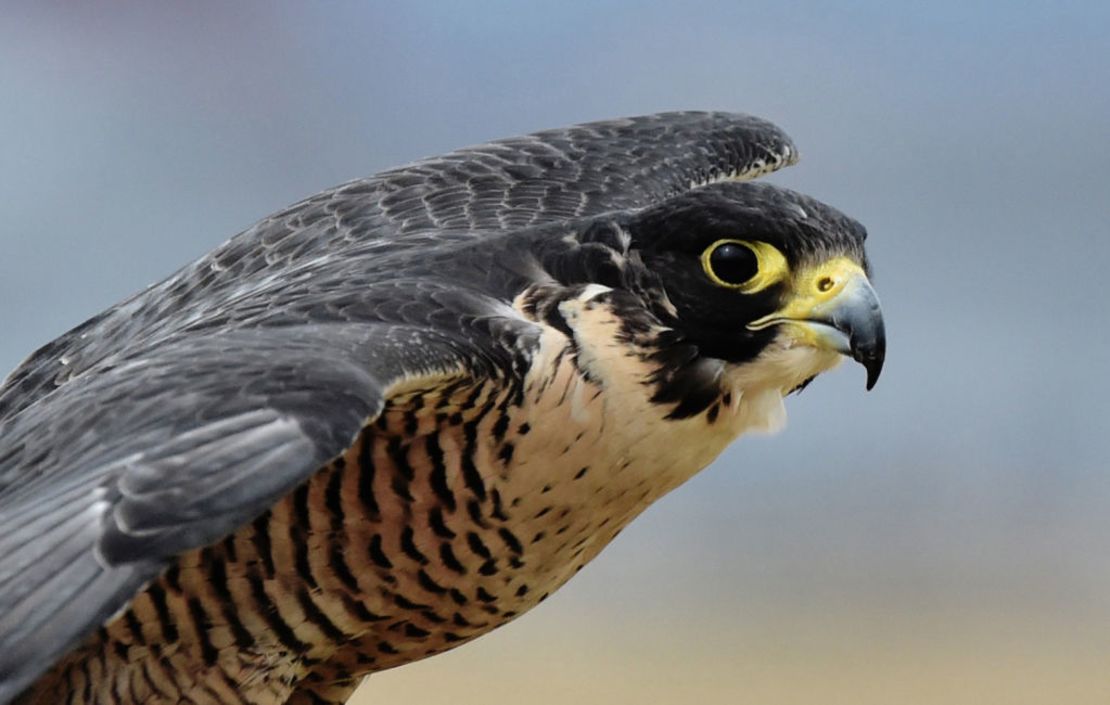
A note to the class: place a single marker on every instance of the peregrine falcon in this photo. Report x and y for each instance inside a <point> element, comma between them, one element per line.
<point>396,415</point>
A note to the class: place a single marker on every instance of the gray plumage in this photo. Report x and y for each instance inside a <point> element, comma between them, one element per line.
<point>179,415</point>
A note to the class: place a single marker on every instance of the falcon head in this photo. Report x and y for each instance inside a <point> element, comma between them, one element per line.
<point>749,267</point>
<point>736,287</point>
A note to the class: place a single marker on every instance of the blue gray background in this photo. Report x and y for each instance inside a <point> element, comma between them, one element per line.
<point>945,538</point>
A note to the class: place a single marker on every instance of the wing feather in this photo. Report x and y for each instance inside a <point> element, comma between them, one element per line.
<point>172,451</point>
<point>182,413</point>
<point>474,193</point>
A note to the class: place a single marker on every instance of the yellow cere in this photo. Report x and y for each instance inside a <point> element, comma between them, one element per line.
<point>772,266</point>
<point>813,286</point>
<point>813,291</point>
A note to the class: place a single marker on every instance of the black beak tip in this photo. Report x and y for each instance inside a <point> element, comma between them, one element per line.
<point>872,361</point>
<point>873,372</point>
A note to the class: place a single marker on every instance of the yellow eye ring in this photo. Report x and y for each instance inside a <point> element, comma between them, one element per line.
<point>770,266</point>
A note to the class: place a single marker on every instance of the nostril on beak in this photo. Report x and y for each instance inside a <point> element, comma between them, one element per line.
<point>825,283</point>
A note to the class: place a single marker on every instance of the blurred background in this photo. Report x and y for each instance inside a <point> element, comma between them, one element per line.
<point>945,538</point>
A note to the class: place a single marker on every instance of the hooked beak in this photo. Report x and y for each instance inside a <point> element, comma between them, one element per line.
<point>835,308</point>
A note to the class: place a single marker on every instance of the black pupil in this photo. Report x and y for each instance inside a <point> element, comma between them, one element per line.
<point>733,264</point>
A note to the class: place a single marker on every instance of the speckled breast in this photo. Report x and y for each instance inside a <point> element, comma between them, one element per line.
<point>460,507</point>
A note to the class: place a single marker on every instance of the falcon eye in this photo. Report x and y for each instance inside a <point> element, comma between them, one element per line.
<point>745,266</point>
<point>731,263</point>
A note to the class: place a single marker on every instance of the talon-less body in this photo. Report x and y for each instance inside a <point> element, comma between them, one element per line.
<point>396,415</point>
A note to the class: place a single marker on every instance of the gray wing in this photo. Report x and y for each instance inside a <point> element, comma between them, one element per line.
<point>180,414</point>
<point>546,177</point>
<point>172,448</point>
<point>577,171</point>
